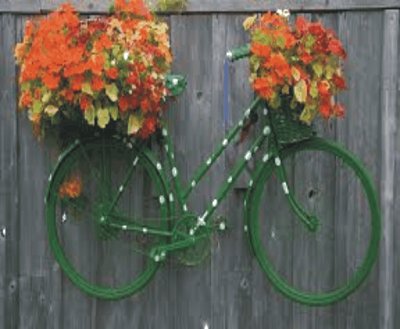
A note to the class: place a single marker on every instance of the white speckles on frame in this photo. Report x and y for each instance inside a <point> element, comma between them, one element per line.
<point>285,188</point>
<point>247,157</point>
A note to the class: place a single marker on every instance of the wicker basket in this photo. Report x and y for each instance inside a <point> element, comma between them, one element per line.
<point>287,127</point>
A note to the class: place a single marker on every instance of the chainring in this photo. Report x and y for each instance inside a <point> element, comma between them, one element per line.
<point>201,250</point>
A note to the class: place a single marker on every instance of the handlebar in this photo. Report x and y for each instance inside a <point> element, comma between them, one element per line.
<point>238,53</point>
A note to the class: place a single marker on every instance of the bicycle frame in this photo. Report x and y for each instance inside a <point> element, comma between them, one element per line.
<point>182,193</point>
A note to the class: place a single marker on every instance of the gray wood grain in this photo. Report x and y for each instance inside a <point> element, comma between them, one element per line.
<point>360,133</point>
<point>208,6</point>
<point>195,118</point>
<point>9,195</point>
<point>229,290</point>
<point>388,157</point>
<point>20,6</point>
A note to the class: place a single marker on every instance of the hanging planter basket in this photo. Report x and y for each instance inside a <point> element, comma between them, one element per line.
<point>107,73</point>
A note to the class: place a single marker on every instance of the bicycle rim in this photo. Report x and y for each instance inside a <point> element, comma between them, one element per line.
<point>280,282</point>
<point>84,267</point>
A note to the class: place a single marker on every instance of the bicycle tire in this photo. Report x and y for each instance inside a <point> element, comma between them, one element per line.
<point>71,156</point>
<point>276,279</point>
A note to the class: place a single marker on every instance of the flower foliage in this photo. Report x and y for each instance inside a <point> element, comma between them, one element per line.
<point>103,70</point>
<point>297,65</point>
<point>71,187</point>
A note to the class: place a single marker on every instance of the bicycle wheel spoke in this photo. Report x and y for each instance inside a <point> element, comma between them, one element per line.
<point>95,268</point>
<point>93,171</point>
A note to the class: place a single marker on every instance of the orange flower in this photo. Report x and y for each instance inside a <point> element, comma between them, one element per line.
<point>260,50</point>
<point>335,46</point>
<point>112,73</point>
<point>123,103</point>
<point>97,83</point>
<point>76,82</point>
<point>339,82</point>
<point>71,187</point>
<point>85,102</point>
<point>325,109</point>
<point>149,126</point>
<point>339,110</point>
<point>324,88</point>
<point>51,81</point>
<point>26,99</point>
<point>263,87</point>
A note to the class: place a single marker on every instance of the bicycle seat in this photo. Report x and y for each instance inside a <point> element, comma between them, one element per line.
<point>176,84</point>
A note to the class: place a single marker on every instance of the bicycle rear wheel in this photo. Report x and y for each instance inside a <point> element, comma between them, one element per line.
<point>322,267</point>
<point>103,260</point>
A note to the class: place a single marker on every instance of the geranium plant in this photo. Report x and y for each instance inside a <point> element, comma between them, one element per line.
<point>105,71</point>
<point>296,66</point>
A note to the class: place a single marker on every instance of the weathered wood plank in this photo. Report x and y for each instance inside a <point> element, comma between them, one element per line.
<point>9,201</point>
<point>195,128</point>
<point>396,210</point>
<point>20,6</point>
<point>389,80</point>
<point>206,6</point>
<point>40,281</point>
<point>231,276</point>
<point>359,132</point>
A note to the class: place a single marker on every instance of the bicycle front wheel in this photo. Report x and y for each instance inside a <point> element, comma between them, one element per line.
<point>102,258</point>
<point>322,267</point>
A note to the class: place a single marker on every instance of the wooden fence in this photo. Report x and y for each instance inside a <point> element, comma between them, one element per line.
<point>229,290</point>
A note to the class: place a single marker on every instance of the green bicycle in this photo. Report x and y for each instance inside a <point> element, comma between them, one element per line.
<point>134,207</point>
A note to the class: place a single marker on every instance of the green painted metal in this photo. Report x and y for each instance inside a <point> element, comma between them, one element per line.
<point>67,159</point>
<point>187,234</point>
<point>252,213</point>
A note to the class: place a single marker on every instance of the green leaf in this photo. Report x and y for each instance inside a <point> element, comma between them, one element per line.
<point>308,114</point>
<point>25,86</point>
<point>314,89</point>
<point>296,74</point>
<point>112,92</point>
<point>115,50</point>
<point>46,97</point>
<point>309,42</point>
<point>281,42</point>
<point>37,107</point>
<point>318,69</point>
<point>90,115</point>
<point>51,110</point>
<point>113,112</point>
<point>87,89</point>
<point>300,91</point>
<point>134,124</point>
<point>103,118</point>
<point>275,103</point>
<point>329,71</point>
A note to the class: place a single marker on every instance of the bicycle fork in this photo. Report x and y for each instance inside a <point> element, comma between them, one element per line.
<point>310,221</point>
